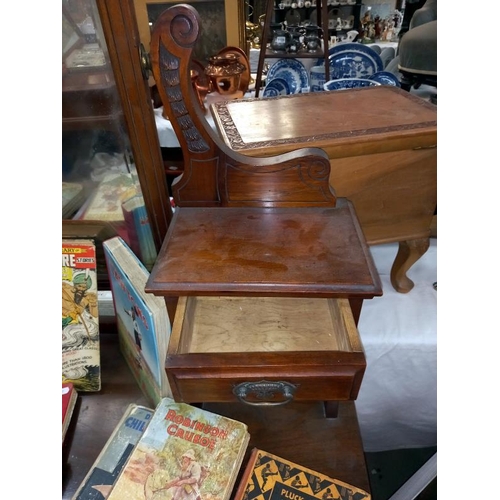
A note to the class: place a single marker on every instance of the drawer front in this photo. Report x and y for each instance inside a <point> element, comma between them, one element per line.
<point>264,350</point>
<point>263,389</point>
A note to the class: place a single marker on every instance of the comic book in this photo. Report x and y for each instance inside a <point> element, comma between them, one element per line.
<point>142,320</point>
<point>185,453</point>
<point>102,475</point>
<point>269,477</point>
<point>81,363</point>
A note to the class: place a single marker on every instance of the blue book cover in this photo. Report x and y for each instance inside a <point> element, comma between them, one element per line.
<point>139,230</point>
<point>104,472</point>
<point>142,319</point>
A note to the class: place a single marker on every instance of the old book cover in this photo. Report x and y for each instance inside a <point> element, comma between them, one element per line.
<point>269,477</point>
<point>106,202</point>
<point>139,230</point>
<point>185,453</point>
<point>69,397</point>
<point>142,320</point>
<point>80,316</point>
<point>102,475</point>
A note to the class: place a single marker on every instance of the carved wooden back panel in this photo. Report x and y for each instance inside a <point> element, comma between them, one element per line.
<point>215,175</point>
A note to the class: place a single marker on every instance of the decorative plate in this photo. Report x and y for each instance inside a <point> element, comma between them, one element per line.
<point>291,70</point>
<point>385,78</point>
<point>279,84</point>
<point>349,83</point>
<point>270,91</point>
<point>352,60</point>
<point>243,59</point>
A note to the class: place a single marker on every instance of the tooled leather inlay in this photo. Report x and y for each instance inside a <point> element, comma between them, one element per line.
<point>236,142</point>
<point>170,76</point>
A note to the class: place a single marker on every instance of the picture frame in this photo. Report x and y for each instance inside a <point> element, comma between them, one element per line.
<point>216,16</point>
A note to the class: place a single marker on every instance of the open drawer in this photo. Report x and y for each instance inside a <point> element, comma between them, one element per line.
<point>264,350</point>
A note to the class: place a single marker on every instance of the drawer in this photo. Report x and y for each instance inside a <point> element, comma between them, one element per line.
<point>264,350</point>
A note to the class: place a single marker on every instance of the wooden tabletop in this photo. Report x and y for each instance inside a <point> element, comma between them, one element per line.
<point>344,123</point>
<point>297,431</point>
<point>304,251</point>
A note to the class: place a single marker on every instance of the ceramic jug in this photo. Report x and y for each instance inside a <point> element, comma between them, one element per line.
<point>311,39</point>
<point>281,40</point>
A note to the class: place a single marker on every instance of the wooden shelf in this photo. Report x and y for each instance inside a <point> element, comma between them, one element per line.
<point>322,21</point>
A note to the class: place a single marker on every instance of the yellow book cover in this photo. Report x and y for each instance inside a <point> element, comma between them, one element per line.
<point>185,453</point>
<point>269,477</point>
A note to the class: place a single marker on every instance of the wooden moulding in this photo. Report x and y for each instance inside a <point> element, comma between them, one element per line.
<point>219,342</point>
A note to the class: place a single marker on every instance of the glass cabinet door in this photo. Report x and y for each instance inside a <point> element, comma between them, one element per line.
<point>102,194</point>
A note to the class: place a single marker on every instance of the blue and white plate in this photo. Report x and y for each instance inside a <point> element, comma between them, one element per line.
<point>292,71</point>
<point>270,92</point>
<point>353,60</point>
<point>349,83</point>
<point>278,84</point>
<point>385,78</point>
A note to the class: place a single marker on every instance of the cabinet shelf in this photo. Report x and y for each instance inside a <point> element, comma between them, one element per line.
<point>322,17</point>
<point>301,54</point>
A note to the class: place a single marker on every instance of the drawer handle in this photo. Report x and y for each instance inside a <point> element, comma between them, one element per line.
<point>264,390</point>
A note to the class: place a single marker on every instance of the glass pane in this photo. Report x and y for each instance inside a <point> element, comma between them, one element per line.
<point>213,36</point>
<point>100,189</point>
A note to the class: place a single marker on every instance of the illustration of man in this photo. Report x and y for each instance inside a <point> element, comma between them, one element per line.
<point>76,299</point>
<point>328,495</point>
<point>265,473</point>
<point>186,485</point>
<point>297,483</point>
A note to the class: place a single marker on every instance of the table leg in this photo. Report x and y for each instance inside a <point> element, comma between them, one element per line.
<point>331,409</point>
<point>409,252</point>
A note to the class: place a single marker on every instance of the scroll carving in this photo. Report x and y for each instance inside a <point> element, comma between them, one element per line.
<point>170,76</point>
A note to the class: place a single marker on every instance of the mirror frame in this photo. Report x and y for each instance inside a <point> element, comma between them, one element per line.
<point>235,20</point>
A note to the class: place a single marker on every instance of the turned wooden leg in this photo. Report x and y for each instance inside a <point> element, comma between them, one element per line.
<point>409,252</point>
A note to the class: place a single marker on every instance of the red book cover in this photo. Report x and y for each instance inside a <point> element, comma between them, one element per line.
<point>80,315</point>
<point>69,396</point>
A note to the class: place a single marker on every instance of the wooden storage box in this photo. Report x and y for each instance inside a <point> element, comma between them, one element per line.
<point>264,350</point>
<point>381,142</point>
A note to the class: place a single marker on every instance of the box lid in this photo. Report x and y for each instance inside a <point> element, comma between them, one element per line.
<point>344,123</point>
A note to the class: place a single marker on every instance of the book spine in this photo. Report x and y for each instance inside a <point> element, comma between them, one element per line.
<point>247,473</point>
<point>147,248</point>
<point>133,236</point>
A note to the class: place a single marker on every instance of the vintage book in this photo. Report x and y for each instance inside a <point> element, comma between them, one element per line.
<point>69,397</point>
<point>185,453</point>
<point>269,477</point>
<point>81,363</point>
<point>73,196</point>
<point>102,475</point>
<point>142,320</point>
<point>139,230</point>
<point>106,202</point>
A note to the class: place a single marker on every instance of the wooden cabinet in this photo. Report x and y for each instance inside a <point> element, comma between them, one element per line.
<point>382,147</point>
<point>110,142</point>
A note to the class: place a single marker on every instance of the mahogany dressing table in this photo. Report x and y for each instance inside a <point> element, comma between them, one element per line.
<point>267,235</point>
